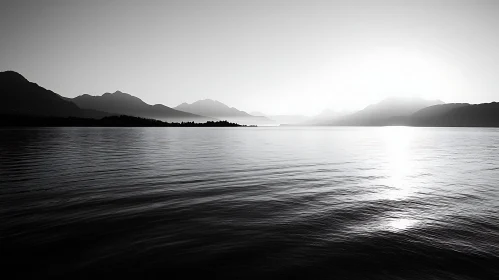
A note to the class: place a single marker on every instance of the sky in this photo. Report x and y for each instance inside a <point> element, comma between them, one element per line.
<point>272,56</point>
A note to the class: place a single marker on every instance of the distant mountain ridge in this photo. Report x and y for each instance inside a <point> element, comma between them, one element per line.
<point>127,104</point>
<point>388,111</point>
<point>219,110</point>
<point>213,108</point>
<point>438,115</point>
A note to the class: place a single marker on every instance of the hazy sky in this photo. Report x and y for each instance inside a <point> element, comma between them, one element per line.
<point>278,57</point>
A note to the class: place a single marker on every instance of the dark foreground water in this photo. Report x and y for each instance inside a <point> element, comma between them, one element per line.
<point>232,203</point>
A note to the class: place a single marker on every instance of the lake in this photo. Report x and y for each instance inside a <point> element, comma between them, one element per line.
<point>233,203</point>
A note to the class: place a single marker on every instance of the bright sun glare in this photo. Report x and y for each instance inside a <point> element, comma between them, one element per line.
<point>384,72</point>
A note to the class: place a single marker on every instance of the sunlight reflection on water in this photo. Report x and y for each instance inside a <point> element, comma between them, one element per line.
<point>258,200</point>
<point>401,224</point>
<point>398,142</point>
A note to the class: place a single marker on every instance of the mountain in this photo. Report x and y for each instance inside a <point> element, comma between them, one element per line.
<point>390,111</point>
<point>459,115</point>
<point>219,110</point>
<point>18,96</point>
<point>430,114</point>
<point>212,108</point>
<point>126,104</point>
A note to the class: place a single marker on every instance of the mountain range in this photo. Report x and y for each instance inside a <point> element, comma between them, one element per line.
<point>126,104</point>
<point>420,112</point>
<point>20,97</point>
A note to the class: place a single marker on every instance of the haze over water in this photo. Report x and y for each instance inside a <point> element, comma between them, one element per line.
<point>324,202</point>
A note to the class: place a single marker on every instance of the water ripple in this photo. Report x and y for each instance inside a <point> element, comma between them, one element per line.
<point>321,203</point>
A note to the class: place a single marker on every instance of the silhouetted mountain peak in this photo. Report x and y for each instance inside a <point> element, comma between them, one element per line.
<point>213,108</point>
<point>119,96</point>
<point>117,93</point>
<point>12,77</point>
<point>210,102</point>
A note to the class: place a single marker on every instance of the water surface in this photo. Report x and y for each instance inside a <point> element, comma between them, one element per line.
<point>323,203</point>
